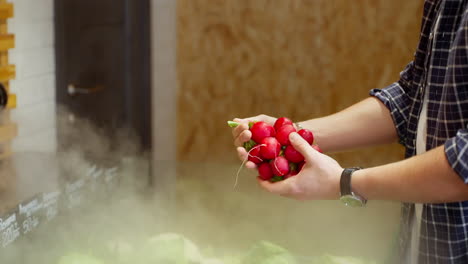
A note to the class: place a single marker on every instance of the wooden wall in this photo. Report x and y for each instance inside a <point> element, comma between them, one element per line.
<point>295,58</point>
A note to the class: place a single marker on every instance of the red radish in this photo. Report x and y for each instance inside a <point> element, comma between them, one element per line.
<point>291,174</point>
<point>300,166</point>
<point>292,170</point>
<point>307,135</point>
<point>280,166</point>
<point>281,122</point>
<point>283,134</point>
<point>317,148</point>
<point>269,148</point>
<point>264,171</point>
<point>261,130</point>
<point>254,155</point>
<point>291,154</point>
<point>292,166</point>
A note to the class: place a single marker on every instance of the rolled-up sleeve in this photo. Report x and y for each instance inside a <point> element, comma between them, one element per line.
<point>395,97</point>
<point>456,150</point>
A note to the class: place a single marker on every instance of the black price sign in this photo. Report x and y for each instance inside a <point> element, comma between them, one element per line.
<point>29,215</point>
<point>50,203</point>
<point>9,229</point>
<point>95,173</point>
<point>110,177</point>
<point>75,193</point>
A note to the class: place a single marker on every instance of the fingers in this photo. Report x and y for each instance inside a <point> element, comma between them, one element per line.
<point>303,147</point>
<point>239,129</point>
<point>250,165</point>
<point>244,125</point>
<point>242,153</point>
<point>243,156</point>
<point>243,137</point>
<point>265,118</point>
<point>280,188</point>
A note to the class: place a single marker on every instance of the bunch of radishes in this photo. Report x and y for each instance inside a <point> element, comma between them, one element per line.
<point>271,150</point>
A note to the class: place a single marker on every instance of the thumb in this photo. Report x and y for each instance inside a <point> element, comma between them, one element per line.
<point>303,147</point>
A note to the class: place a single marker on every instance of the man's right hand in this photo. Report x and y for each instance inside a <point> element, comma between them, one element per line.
<point>242,134</point>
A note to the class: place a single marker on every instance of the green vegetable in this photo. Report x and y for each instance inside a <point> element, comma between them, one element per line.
<point>265,252</point>
<point>231,260</point>
<point>169,248</point>
<point>328,259</point>
<point>76,258</point>
<point>121,250</point>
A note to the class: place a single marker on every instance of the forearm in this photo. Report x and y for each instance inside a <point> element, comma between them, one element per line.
<point>364,124</point>
<point>426,178</point>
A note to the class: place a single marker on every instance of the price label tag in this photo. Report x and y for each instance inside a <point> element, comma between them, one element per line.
<point>110,177</point>
<point>75,193</point>
<point>29,214</point>
<point>51,205</point>
<point>95,173</point>
<point>9,229</point>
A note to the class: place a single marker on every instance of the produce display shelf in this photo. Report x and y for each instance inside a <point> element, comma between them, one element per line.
<point>6,10</point>
<point>8,132</point>
<point>7,72</point>
<point>8,129</point>
<point>42,208</point>
<point>7,41</point>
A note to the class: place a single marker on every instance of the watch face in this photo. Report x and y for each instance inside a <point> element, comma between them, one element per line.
<point>351,201</point>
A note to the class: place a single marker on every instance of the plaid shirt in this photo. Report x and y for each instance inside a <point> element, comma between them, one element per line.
<point>440,68</point>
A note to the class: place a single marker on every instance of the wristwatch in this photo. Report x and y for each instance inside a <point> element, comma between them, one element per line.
<point>347,196</point>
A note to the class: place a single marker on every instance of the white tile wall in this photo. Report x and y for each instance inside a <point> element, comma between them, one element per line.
<point>33,56</point>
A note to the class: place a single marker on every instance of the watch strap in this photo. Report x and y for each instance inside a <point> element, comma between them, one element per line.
<point>345,181</point>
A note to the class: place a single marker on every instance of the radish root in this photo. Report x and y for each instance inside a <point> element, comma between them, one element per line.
<point>276,167</point>
<point>244,161</point>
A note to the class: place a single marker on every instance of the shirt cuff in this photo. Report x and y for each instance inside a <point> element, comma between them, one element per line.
<point>456,151</point>
<point>394,98</point>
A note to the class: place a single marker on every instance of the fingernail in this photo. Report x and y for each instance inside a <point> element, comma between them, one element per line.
<point>293,136</point>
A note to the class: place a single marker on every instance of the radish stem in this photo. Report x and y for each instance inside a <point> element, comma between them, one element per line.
<point>276,179</point>
<point>249,145</point>
<point>232,124</point>
<point>235,124</point>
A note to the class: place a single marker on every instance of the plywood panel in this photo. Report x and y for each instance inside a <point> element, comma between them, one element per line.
<point>298,58</point>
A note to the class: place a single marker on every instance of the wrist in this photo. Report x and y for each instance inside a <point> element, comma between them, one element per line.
<point>361,184</point>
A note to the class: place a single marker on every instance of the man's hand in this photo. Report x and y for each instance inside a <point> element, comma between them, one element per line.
<point>242,134</point>
<point>319,179</point>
